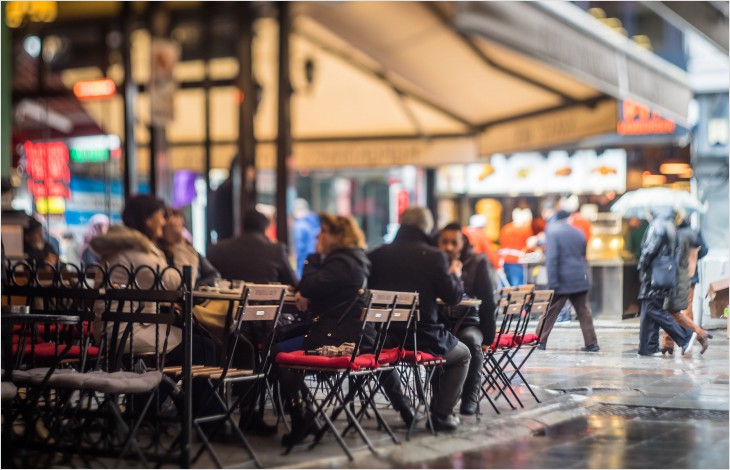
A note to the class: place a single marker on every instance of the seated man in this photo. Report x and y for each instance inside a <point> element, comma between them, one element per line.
<point>412,264</point>
<point>473,326</point>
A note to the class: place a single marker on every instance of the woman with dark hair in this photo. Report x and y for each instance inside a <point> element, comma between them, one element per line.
<point>333,281</point>
<point>131,245</point>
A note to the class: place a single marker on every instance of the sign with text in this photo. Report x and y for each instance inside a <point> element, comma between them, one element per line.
<point>47,166</point>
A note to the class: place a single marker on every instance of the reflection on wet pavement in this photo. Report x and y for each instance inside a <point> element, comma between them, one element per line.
<point>609,441</point>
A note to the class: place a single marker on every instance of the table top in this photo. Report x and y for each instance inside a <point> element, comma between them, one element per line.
<point>38,318</point>
<point>228,295</point>
<point>463,302</point>
<point>236,295</point>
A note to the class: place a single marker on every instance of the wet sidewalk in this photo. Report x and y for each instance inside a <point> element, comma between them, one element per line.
<point>611,409</point>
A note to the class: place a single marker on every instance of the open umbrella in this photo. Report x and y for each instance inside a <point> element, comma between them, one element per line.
<point>638,203</point>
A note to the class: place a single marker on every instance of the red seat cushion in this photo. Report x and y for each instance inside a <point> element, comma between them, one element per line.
<point>422,356</point>
<point>389,356</point>
<point>500,342</point>
<point>526,339</point>
<point>299,358</point>
<point>48,350</point>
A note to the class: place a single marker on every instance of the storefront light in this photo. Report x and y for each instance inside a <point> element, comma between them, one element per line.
<point>674,168</point>
<point>653,180</point>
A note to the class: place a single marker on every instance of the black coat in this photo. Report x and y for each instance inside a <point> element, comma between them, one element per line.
<point>411,264</point>
<point>252,258</point>
<point>478,285</point>
<point>335,285</point>
<point>565,252</point>
<point>660,239</point>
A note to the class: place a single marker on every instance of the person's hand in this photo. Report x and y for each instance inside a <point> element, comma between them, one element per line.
<point>455,267</point>
<point>52,259</point>
<point>302,303</point>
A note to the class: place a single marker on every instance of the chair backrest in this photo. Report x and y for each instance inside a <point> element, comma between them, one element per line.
<point>400,307</point>
<point>526,287</point>
<point>539,304</point>
<point>138,314</point>
<point>513,319</point>
<point>259,302</point>
<point>50,290</point>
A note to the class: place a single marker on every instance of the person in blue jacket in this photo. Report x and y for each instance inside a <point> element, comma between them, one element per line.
<point>567,270</point>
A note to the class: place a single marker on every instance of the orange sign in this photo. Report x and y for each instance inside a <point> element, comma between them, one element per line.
<point>640,120</point>
<point>95,89</point>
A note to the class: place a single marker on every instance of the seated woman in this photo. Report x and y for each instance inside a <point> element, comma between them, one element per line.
<point>131,245</point>
<point>332,284</point>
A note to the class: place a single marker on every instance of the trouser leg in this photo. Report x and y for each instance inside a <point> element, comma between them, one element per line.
<point>472,337</point>
<point>648,328</point>
<point>649,336</point>
<point>451,380</point>
<point>585,317</point>
<point>547,320</point>
<point>390,384</point>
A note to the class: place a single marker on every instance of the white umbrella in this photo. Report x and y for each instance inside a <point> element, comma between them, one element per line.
<point>638,203</point>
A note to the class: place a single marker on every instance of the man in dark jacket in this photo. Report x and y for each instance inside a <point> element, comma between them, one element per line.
<point>252,257</point>
<point>660,240</point>
<point>568,276</point>
<point>473,326</point>
<point>411,263</point>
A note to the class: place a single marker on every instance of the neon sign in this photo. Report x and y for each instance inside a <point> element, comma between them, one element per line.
<point>640,120</point>
<point>47,167</point>
<point>95,89</point>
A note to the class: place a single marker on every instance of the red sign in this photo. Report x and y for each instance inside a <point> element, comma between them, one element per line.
<point>47,166</point>
<point>402,201</point>
<point>95,89</point>
<point>640,120</point>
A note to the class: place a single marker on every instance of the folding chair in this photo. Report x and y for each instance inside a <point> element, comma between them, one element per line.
<point>257,303</point>
<point>333,372</point>
<point>494,354</point>
<point>538,304</point>
<point>420,368</point>
<point>103,410</point>
<point>402,306</point>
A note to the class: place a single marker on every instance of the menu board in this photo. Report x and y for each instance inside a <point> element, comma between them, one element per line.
<point>584,172</point>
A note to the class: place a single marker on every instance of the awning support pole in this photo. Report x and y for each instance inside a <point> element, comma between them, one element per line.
<point>284,142</point>
<point>130,92</point>
<point>244,184</point>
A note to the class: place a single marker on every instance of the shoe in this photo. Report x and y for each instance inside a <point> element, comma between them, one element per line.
<point>408,415</point>
<point>591,348</point>
<point>688,347</point>
<point>446,423</point>
<point>668,351</point>
<point>654,354</point>
<point>541,346</point>
<point>256,426</point>
<point>468,408</point>
<point>302,425</point>
<point>704,341</point>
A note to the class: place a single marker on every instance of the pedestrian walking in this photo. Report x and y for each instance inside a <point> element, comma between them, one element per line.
<point>567,270</point>
<point>660,240</point>
<point>680,299</point>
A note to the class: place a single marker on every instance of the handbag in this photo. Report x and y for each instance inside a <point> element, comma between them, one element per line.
<point>664,268</point>
<point>664,272</point>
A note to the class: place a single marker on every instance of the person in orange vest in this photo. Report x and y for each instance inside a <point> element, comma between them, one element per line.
<point>513,241</point>
<point>478,238</point>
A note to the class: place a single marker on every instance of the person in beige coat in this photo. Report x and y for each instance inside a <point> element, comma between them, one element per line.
<point>130,245</point>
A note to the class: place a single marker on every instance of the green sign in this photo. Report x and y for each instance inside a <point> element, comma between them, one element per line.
<point>89,155</point>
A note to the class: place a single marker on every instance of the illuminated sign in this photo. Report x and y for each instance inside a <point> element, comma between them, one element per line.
<point>91,149</point>
<point>17,12</point>
<point>47,167</point>
<point>640,120</point>
<point>50,205</point>
<point>95,89</point>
